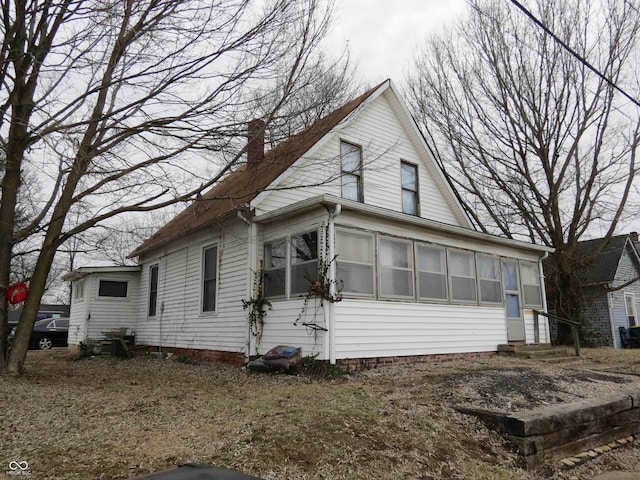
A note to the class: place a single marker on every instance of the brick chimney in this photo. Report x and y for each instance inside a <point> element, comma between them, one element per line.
<point>634,236</point>
<point>255,142</point>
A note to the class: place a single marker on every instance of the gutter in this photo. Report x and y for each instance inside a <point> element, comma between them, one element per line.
<point>543,292</point>
<point>330,201</point>
<point>252,262</point>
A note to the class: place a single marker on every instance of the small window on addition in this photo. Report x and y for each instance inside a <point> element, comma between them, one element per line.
<point>410,198</point>
<point>113,288</point>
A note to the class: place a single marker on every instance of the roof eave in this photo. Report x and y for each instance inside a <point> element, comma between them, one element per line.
<point>384,213</point>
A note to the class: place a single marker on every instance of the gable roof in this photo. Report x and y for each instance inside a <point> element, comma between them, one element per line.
<point>244,184</point>
<point>605,265</point>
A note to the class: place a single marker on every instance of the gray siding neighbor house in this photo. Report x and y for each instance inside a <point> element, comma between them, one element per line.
<point>611,289</point>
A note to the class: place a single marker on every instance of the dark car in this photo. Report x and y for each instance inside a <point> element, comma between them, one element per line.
<point>47,333</point>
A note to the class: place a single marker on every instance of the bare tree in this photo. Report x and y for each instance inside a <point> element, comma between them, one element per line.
<point>537,145</point>
<point>120,106</point>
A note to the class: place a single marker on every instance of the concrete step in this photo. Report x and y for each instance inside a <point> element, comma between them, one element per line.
<point>542,351</point>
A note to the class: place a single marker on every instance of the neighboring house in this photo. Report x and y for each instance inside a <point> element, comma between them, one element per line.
<point>358,194</point>
<point>611,290</point>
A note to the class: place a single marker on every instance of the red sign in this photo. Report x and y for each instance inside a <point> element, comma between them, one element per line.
<point>17,293</point>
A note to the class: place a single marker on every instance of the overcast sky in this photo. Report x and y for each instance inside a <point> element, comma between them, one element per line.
<point>382,35</point>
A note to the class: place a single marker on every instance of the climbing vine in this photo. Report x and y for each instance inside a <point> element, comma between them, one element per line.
<point>321,289</point>
<point>257,306</point>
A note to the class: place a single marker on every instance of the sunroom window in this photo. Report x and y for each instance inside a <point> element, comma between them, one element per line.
<point>432,273</point>
<point>275,268</point>
<point>489,279</point>
<point>354,262</point>
<point>396,268</point>
<point>304,261</point>
<point>462,276</point>
<point>530,278</point>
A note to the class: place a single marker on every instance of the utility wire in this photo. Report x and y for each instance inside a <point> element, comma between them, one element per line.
<point>573,52</point>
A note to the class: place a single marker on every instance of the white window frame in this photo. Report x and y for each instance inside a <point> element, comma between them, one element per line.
<point>634,313</point>
<point>78,290</point>
<point>110,297</point>
<point>153,294</point>
<point>443,273</point>
<point>340,260</point>
<point>497,280</point>
<point>357,173</point>
<point>415,192</point>
<point>204,279</point>
<point>524,285</point>
<point>451,277</point>
<point>266,269</point>
<point>409,269</point>
<point>291,265</point>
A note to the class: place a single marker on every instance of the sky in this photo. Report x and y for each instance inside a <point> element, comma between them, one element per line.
<point>382,35</point>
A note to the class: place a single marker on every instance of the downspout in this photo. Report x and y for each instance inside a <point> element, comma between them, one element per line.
<point>612,322</point>
<point>543,292</point>
<point>332,281</point>
<point>252,259</point>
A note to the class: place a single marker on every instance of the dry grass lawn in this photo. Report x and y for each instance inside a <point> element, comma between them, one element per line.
<point>107,418</point>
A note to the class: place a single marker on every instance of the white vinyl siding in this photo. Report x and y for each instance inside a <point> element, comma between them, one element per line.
<point>182,323</point>
<point>382,133</point>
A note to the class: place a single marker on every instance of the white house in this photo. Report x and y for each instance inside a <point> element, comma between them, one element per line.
<point>355,202</point>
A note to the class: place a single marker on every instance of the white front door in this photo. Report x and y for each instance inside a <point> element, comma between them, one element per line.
<point>511,282</point>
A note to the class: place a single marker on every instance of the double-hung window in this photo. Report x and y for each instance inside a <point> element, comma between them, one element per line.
<point>410,203</point>
<point>489,283</point>
<point>153,290</point>
<point>396,268</point>
<point>304,261</point>
<point>354,262</point>
<point>351,165</point>
<point>275,268</point>
<point>462,276</point>
<point>209,278</point>
<point>78,290</point>
<point>432,272</point>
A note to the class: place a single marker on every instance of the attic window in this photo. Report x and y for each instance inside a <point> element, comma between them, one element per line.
<point>409,188</point>
<point>351,165</point>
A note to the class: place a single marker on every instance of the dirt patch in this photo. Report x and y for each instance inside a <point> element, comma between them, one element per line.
<point>104,418</point>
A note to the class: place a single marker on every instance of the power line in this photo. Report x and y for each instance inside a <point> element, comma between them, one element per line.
<point>573,52</point>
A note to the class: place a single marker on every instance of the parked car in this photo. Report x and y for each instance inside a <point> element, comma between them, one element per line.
<point>48,333</point>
